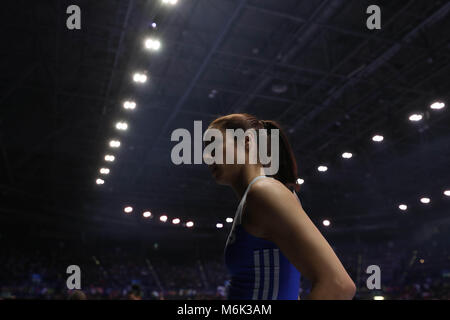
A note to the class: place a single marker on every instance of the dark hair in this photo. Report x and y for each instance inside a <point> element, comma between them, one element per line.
<point>287,173</point>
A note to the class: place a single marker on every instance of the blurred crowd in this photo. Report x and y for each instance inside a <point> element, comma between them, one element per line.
<point>115,273</point>
<point>420,272</point>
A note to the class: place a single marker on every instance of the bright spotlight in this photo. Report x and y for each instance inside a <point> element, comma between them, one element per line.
<point>114,144</point>
<point>447,193</point>
<point>152,44</point>
<point>163,218</point>
<point>415,117</point>
<point>322,168</point>
<point>109,158</point>
<point>326,223</point>
<point>378,298</point>
<point>189,224</point>
<point>99,181</point>
<point>176,221</point>
<point>121,126</point>
<point>377,138</point>
<point>104,171</point>
<point>171,2</point>
<point>229,220</point>
<point>140,77</point>
<point>437,105</point>
<point>129,105</point>
<point>137,77</point>
<point>128,209</point>
<point>219,226</point>
<point>425,200</point>
<point>147,214</point>
<point>403,207</point>
<point>300,181</point>
<point>347,155</point>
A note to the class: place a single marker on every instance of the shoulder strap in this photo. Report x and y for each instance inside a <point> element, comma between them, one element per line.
<point>244,197</point>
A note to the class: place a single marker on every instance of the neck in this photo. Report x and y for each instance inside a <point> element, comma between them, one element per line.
<point>246,176</point>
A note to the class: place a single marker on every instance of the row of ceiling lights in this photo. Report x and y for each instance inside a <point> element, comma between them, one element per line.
<point>378,138</point>
<point>189,224</point>
<point>150,44</point>
<point>128,210</point>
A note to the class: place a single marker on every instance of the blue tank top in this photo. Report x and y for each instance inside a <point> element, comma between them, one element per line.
<point>258,268</point>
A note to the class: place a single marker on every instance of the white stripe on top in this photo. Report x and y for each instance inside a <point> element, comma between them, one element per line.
<point>238,215</point>
<point>276,273</point>
<point>265,294</point>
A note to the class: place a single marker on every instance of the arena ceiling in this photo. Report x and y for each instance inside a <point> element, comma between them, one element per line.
<point>311,65</point>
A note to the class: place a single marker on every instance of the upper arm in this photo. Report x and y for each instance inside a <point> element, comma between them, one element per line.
<point>283,221</point>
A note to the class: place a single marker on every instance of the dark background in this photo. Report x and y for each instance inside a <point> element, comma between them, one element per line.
<point>311,65</point>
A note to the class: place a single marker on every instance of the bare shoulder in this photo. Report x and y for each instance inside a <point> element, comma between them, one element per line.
<point>268,193</point>
<point>268,187</point>
<point>271,207</point>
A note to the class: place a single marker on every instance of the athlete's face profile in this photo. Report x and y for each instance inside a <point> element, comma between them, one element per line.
<point>225,173</point>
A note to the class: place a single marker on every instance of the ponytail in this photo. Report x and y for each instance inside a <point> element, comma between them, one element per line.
<point>287,172</point>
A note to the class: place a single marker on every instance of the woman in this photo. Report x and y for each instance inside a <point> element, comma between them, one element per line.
<point>272,240</point>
